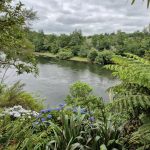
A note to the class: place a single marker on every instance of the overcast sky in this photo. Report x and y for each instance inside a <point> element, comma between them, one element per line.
<point>91,16</point>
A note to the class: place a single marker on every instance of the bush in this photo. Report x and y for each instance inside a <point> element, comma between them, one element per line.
<point>84,124</point>
<point>92,55</point>
<point>15,95</point>
<point>18,112</point>
<point>81,95</point>
<point>75,50</point>
<point>75,131</point>
<point>64,55</point>
<point>54,48</point>
<point>104,57</point>
<point>84,50</point>
<point>80,89</point>
<point>147,55</point>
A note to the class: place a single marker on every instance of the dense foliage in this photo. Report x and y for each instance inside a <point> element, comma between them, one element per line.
<point>10,96</point>
<point>95,47</point>
<point>64,55</point>
<point>85,122</point>
<point>132,97</point>
<point>15,46</point>
<point>68,126</point>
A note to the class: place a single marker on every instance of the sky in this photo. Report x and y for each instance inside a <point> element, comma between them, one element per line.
<point>91,16</point>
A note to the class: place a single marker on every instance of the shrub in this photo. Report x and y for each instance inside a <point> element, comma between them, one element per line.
<point>92,55</point>
<point>70,132</point>
<point>15,95</point>
<point>64,55</point>
<point>80,89</point>
<point>147,55</point>
<point>84,50</point>
<point>18,112</point>
<point>64,127</point>
<point>132,97</point>
<point>104,57</point>
<point>75,50</point>
<point>81,95</point>
<point>54,48</point>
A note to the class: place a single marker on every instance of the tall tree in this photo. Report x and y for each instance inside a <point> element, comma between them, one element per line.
<point>39,41</point>
<point>14,19</point>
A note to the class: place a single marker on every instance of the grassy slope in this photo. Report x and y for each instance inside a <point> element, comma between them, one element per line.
<point>45,54</point>
<point>79,59</point>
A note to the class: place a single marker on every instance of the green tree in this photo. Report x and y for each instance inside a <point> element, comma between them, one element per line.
<point>95,41</point>
<point>39,41</point>
<point>84,50</point>
<point>13,41</point>
<point>81,95</point>
<point>64,55</point>
<point>63,40</point>
<point>104,57</point>
<point>49,42</point>
<point>76,38</point>
<point>92,55</point>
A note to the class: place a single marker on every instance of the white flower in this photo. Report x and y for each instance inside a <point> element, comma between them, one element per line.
<point>29,110</point>
<point>18,107</point>
<point>11,113</point>
<point>6,112</point>
<point>9,109</point>
<point>34,113</point>
<point>18,111</point>
<point>17,115</point>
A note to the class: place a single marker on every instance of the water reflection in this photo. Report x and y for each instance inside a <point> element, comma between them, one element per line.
<point>56,76</point>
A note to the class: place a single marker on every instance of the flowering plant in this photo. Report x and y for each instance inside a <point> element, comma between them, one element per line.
<point>18,112</point>
<point>47,115</point>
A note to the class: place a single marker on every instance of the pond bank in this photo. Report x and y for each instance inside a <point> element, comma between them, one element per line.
<point>78,59</point>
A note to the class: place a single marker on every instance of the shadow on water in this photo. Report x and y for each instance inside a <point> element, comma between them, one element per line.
<point>77,66</point>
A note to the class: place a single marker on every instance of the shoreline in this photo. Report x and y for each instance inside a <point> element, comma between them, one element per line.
<point>50,55</point>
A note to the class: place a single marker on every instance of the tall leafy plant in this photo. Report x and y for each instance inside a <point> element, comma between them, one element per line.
<point>132,96</point>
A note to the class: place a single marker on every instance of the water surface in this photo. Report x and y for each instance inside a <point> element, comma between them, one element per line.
<point>56,76</point>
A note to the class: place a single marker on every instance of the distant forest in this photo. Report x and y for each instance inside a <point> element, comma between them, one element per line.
<point>95,47</point>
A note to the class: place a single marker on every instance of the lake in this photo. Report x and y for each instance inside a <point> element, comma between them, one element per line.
<point>56,76</point>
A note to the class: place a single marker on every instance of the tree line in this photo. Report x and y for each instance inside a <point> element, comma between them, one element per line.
<point>98,48</point>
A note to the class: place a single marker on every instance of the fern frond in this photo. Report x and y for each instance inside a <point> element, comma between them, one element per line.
<point>131,70</point>
<point>142,136</point>
<point>142,60</point>
<point>132,96</point>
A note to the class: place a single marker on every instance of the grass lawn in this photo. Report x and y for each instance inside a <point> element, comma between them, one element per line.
<point>79,59</point>
<point>44,54</point>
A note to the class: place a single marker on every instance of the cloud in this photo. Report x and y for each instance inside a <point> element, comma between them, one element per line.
<point>91,16</point>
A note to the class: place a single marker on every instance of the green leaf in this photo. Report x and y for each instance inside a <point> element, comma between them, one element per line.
<point>103,147</point>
